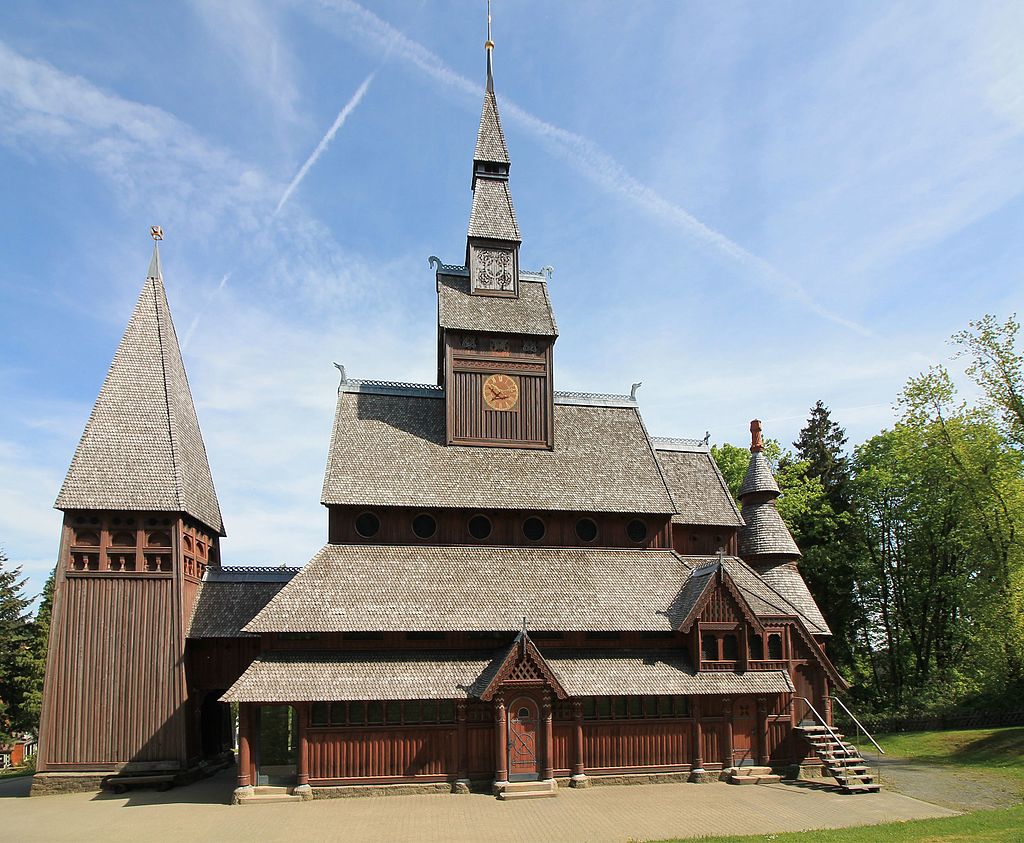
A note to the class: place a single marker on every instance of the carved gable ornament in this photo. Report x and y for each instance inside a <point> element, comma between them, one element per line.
<point>523,664</point>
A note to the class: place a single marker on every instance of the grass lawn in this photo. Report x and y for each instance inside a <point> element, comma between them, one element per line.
<point>16,772</point>
<point>995,753</point>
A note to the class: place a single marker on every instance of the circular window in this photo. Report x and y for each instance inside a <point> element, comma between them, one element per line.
<point>479,526</point>
<point>424,525</point>
<point>636,530</point>
<point>533,528</point>
<point>367,525</point>
<point>586,530</point>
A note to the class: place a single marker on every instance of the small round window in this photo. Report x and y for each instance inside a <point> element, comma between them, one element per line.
<point>480,527</point>
<point>533,528</point>
<point>636,530</point>
<point>367,525</point>
<point>424,525</point>
<point>586,530</point>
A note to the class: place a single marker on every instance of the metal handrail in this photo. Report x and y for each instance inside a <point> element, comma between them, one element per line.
<point>821,719</point>
<point>860,725</point>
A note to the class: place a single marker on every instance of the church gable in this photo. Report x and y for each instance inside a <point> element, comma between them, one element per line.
<point>522,665</point>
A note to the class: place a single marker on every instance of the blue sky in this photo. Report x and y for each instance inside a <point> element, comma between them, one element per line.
<point>748,207</point>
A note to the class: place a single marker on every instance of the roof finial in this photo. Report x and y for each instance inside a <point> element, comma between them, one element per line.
<point>489,47</point>
<point>157,233</point>
<point>756,442</point>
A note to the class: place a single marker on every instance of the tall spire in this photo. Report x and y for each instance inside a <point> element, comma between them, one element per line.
<point>142,448</point>
<point>489,48</point>
<point>765,537</point>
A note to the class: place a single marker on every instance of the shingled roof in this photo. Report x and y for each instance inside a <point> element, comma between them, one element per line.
<point>765,533</point>
<point>493,215</point>
<point>330,677</point>
<point>786,580</point>
<point>529,313</point>
<point>229,598</point>
<point>469,587</point>
<point>759,477</point>
<point>142,448</point>
<point>490,138</point>
<point>700,492</point>
<point>777,596</point>
<point>389,450</point>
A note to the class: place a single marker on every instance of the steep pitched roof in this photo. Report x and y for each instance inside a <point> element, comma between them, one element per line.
<point>759,477</point>
<point>142,448</point>
<point>490,138</point>
<point>229,598</point>
<point>764,532</point>
<point>389,450</point>
<point>700,492</point>
<point>493,214</point>
<point>787,581</point>
<point>528,313</point>
<point>471,587</point>
<point>766,600</point>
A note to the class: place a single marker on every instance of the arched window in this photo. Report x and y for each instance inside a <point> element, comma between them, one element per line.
<point>730,648</point>
<point>709,648</point>
<point>775,647</point>
<point>756,647</point>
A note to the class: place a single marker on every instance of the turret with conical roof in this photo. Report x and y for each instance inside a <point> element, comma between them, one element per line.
<point>764,540</point>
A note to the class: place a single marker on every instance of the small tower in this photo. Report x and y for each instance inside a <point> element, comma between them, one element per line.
<point>141,525</point>
<point>496,330</point>
<point>765,541</point>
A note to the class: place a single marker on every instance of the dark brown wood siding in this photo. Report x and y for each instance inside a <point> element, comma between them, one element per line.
<point>114,694</point>
<point>475,422</point>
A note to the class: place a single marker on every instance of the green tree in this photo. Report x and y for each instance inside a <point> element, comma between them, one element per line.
<point>33,662</point>
<point>15,639</point>
<point>998,368</point>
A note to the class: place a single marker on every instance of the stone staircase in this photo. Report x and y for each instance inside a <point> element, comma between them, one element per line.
<point>265,795</point>
<point>529,790</point>
<point>753,775</point>
<point>841,760</point>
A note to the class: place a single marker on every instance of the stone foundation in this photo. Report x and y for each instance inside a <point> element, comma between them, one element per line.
<point>704,776</point>
<point>406,789</point>
<point>49,784</point>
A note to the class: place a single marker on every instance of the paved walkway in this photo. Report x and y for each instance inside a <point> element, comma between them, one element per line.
<point>641,812</point>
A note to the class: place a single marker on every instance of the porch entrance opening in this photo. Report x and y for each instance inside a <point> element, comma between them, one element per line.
<point>276,752</point>
<point>522,741</point>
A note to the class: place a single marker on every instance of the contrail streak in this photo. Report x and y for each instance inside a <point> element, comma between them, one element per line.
<point>367,29</point>
<point>195,320</point>
<point>339,121</point>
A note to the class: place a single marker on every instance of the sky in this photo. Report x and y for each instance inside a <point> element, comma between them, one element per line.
<point>748,207</point>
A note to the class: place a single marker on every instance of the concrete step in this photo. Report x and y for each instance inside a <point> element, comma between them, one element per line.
<point>752,771</point>
<point>529,790</point>
<point>745,780</point>
<point>861,788</point>
<point>267,794</point>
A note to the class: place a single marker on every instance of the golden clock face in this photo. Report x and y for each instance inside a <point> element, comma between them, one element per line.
<point>501,392</point>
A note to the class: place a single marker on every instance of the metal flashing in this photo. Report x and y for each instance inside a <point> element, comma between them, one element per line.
<point>415,390</point>
<point>676,443</point>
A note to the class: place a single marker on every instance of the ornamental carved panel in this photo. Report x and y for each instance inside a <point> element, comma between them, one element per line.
<point>493,270</point>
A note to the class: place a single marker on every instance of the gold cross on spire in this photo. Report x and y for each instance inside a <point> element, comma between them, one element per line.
<point>156,232</point>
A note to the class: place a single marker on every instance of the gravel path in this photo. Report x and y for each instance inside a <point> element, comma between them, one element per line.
<point>953,787</point>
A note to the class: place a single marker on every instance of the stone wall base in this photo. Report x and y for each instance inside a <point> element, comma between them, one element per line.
<point>404,789</point>
<point>49,784</point>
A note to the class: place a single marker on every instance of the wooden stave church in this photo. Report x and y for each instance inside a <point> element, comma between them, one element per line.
<point>519,584</point>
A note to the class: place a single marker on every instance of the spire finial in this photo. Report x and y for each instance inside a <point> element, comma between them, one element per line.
<point>489,47</point>
<point>157,233</point>
<point>756,442</point>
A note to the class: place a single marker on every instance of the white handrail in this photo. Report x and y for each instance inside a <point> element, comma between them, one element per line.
<point>860,725</point>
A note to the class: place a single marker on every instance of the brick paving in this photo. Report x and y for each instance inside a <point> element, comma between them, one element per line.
<point>614,813</point>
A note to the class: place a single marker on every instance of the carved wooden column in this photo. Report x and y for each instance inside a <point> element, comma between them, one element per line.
<point>762,728</point>
<point>302,761</point>
<point>579,776</point>
<point>727,751</point>
<point>549,737</point>
<point>244,752</point>
<point>461,750</point>
<point>501,741</point>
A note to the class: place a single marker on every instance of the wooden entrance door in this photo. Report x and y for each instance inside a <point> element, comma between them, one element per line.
<point>744,732</point>
<point>522,740</point>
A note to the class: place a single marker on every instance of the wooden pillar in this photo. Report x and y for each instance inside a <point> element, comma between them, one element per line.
<point>501,740</point>
<point>302,765</point>
<point>577,743</point>
<point>461,749</point>
<point>549,737</point>
<point>727,760</point>
<point>698,737</point>
<point>244,753</point>
<point>762,729</point>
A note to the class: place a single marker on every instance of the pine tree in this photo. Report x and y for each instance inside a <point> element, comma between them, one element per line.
<point>820,445</point>
<point>33,662</point>
<point>15,640</point>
